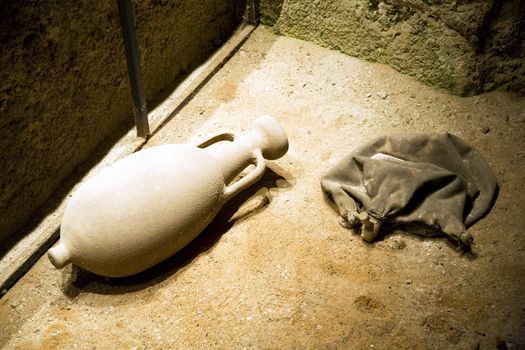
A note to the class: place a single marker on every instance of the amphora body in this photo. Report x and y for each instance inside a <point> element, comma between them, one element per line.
<point>149,205</point>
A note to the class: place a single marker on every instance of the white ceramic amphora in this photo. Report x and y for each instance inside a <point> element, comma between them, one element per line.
<point>149,205</point>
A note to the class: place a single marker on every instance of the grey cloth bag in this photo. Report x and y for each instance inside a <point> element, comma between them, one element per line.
<point>431,181</point>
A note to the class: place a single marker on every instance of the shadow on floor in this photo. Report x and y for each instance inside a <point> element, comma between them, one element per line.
<point>77,280</point>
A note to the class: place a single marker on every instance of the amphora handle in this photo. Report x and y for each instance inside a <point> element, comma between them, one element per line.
<point>248,180</point>
<point>266,140</point>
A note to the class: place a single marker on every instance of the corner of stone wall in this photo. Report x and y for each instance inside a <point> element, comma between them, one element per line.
<point>270,10</point>
<point>465,47</point>
<point>501,53</point>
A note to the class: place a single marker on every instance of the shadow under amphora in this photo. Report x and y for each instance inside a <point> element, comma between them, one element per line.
<point>77,280</point>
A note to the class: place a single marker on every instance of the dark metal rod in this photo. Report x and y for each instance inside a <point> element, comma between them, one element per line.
<point>140,110</point>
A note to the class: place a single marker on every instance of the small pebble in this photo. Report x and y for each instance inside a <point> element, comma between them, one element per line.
<point>368,95</point>
<point>485,129</point>
<point>382,94</point>
<point>398,245</point>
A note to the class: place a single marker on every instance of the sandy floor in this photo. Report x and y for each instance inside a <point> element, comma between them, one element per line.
<point>275,270</point>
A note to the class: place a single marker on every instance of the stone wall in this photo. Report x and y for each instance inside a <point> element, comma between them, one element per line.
<point>64,85</point>
<point>465,46</point>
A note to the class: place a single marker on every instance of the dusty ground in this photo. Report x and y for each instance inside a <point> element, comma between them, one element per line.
<point>275,270</point>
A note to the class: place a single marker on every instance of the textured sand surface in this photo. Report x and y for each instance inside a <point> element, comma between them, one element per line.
<point>275,270</point>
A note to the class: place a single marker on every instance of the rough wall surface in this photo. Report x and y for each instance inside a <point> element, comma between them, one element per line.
<point>64,85</point>
<point>270,11</point>
<point>465,46</point>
